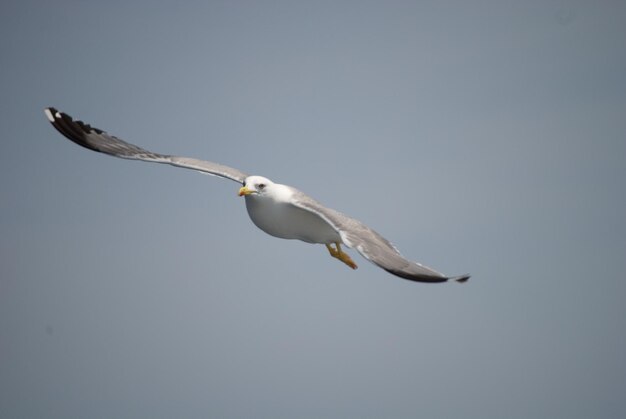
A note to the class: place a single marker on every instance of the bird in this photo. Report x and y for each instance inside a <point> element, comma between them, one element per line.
<point>279,210</point>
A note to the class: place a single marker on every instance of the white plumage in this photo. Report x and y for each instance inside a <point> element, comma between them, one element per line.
<point>279,210</point>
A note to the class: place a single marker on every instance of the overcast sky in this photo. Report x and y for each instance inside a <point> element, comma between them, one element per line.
<point>484,137</point>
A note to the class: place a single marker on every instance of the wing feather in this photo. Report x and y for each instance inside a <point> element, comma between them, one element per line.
<point>98,140</point>
<point>371,245</point>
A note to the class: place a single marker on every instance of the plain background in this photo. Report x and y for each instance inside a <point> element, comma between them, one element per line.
<point>486,137</point>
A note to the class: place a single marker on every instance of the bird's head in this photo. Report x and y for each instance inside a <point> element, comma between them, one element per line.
<point>255,185</point>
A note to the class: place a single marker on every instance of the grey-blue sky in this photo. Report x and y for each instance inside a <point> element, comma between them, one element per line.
<point>493,134</point>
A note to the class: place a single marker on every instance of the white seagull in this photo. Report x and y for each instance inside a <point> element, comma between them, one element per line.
<point>279,210</point>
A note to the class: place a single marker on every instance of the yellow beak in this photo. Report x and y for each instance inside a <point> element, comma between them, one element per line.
<point>245,191</point>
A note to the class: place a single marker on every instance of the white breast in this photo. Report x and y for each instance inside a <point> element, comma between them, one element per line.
<point>275,216</point>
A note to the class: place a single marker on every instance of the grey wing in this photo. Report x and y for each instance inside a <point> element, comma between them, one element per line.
<point>97,140</point>
<point>371,245</point>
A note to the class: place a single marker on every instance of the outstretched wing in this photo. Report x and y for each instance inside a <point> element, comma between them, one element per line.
<point>98,140</point>
<point>371,245</point>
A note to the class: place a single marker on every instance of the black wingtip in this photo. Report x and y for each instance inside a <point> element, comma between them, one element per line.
<point>461,279</point>
<point>72,130</point>
<point>76,131</point>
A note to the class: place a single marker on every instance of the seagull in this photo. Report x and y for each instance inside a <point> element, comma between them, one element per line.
<point>279,210</point>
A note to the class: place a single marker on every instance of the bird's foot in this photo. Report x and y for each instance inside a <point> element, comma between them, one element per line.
<point>341,255</point>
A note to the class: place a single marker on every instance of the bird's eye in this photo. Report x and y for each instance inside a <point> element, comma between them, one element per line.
<point>261,185</point>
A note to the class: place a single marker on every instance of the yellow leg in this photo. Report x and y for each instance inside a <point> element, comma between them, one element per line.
<point>341,255</point>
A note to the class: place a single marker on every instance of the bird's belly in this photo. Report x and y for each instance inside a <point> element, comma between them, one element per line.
<point>288,222</point>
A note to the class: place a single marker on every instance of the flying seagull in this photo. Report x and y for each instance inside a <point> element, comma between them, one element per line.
<point>279,210</point>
